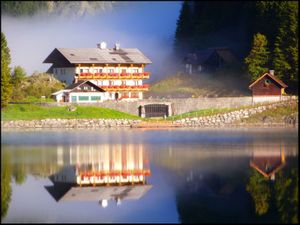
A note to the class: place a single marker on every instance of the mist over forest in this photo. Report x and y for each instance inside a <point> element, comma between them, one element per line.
<point>148,26</point>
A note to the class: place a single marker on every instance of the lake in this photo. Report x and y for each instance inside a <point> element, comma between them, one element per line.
<point>134,175</point>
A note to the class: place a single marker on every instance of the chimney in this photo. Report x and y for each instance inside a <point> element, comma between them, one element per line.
<point>271,72</point>
<point>102,45</point>
<point>75,79</point>
<point>117,46</point>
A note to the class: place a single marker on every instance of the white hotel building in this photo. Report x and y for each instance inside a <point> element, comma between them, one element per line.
<point>118,72</point>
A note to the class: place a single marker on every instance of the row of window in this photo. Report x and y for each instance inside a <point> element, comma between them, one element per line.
<point>59,70</point>
<point>107,70</point>
<point>112,83</point>
<point>86,98</point>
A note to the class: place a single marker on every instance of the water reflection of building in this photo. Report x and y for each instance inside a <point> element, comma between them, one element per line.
<point>268,161</point>
<point>101,173</point>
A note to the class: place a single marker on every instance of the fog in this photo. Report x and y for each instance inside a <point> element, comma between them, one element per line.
<point>148,26</point>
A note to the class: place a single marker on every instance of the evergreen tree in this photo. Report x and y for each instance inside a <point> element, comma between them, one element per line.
<point>285,59</point>
<point>257,60</point>
<point>184,30</point>
<point>6,87</point>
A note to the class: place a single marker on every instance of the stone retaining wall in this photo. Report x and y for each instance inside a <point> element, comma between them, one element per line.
<point>232,117</point>
<point>178,105</point>
<point>69,123</point>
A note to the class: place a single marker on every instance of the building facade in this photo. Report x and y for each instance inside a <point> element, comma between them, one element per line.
<point>267,88</point>
<point>118,71</point>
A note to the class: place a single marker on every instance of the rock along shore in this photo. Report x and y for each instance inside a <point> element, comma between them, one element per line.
<point>69,123</point>
<point>236,118</point>
<point>230,119</point>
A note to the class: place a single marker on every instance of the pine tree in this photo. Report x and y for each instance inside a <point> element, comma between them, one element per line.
<point>6,87</point>
<point>257,60</point>
<point>184,29</point>
<point>285,57</point>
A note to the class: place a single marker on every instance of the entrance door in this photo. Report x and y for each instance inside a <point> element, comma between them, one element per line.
<point>116,96</point>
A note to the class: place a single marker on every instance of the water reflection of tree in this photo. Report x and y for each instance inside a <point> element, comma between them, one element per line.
<point>284,192</point>
<point>19,169</point>
<point>6,172</point>
<point>286,188</point>
<point>260,191</point>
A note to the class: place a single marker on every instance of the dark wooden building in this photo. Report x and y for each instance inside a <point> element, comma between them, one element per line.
<point>268,86</point>
<point>208,60</point>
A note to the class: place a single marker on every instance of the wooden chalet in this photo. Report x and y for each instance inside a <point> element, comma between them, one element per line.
<point>267,87</point>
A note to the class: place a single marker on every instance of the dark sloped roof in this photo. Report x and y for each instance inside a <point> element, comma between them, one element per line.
<point>200,57</point>
<point>97,55</point>
<point>277,80</point>
<point>81,82</point>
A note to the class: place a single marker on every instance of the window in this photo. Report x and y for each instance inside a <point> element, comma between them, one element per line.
<point>74,98</point>
<point>134,70</point>
<point>110,70</point>
<point>267,82</point>
<point>81,70</point>
<point>95,70</point>
<point>100,70</point>
<point>85,87</point>
<point>123,70</point>
<point>83,98</point>
<point>54,70</point>
<point>123,82</point>
<point>95,98</point>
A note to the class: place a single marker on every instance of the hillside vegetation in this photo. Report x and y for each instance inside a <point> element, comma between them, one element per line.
<point>196,85</point>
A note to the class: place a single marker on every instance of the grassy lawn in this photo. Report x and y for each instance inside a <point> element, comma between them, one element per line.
<point>275,115</point>
<point>33,112</point>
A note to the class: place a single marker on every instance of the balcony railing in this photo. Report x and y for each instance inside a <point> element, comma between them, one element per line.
<point>144,87</point>
<point>101,76</point>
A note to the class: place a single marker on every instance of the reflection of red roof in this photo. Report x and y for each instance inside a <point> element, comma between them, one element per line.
<point>277,80</point>
<point>268,165</point>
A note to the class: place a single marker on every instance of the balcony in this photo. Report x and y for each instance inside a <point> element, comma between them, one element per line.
<point>144,87</point>
<point>113,76</point>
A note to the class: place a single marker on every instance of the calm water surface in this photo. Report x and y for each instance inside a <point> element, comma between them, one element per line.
<point>135,175</point>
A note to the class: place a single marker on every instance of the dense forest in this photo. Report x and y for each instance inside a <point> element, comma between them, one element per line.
<point>30,8</point>
<point>263,34</point>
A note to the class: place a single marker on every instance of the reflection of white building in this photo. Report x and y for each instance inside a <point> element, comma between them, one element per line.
<point>105,164</point>
<point>102,172</point>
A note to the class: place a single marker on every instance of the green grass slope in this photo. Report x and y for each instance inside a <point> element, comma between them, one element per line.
<point>200,85</point>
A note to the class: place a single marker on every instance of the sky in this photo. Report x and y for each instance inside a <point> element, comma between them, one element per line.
<point>148,26</point>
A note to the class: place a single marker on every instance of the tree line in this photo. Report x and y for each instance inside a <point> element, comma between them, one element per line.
<point>263,34</point>
<point>17,86</point>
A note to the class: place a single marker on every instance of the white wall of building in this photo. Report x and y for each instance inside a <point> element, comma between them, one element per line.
<point>258,99</point>
<point>108,69</point>
<point>117,82</point>
<point>103,96</point>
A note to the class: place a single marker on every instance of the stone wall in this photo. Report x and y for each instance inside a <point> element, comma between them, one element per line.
<point>178,106</point>
<point>231,117</point>
<point>69,123</point>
